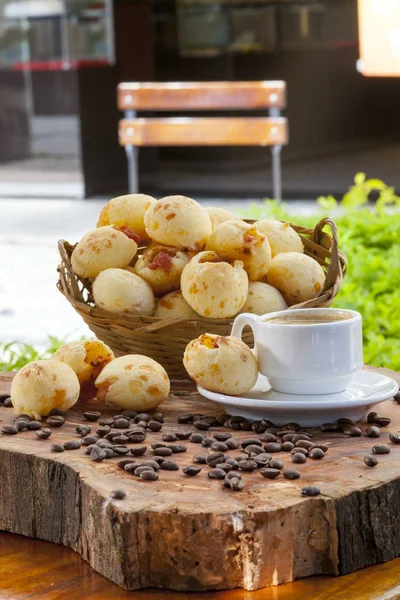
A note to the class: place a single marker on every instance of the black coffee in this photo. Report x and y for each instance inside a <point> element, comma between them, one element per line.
<point>308,319</point>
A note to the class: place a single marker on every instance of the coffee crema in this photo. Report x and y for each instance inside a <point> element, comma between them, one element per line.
<point>307,319</point>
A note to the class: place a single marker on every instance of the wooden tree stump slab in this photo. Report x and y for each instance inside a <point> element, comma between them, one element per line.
<point>193,534</point>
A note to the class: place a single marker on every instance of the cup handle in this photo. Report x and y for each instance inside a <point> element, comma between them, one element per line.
<point>240,323</point>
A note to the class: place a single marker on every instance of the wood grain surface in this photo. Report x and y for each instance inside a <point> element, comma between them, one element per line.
<point>192,534</point>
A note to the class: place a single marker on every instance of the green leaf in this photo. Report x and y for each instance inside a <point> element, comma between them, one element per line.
<point>359,178</point>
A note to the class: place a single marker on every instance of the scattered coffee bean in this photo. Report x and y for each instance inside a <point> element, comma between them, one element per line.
<point>23,417</point>
<point>103,443</point>
<point>299,458</point>
<point>287,446</point>
<point>225,466</point>
<point>345,421</point>
<point>90,415</point>
<point>187,418</point>
<point>242,456</point>
<point>151,463</point>
<point>83,430</point>
<point>158,445</point>
<point>183,435</point>
<point>201,425</point>
<point>329,427</point>
<point>34,425</point>
<point>207,442</point>
<point>118,495</point>
<point>106,421</point>
<point>370,461</point>
<point>130,466</point>
<point>56,412</point>
<point>141,469</point>
<point>291,474</point>
<point>137,438</point>
<point>3,397</point>
<point>196,438</point>
<point>235,484</point>
<point>373,431</point>
<point>216,474</point>
<point>352,431</point>
<point>102,431</point>
<point>43,434</point>
<point>381,449</point>
<point>109,452</point>
<point>291,427</point>
<point>72,445</point>
<point>200,459</point>
<point>261,460</point>
<point>247,465</point>
<point>383,421</point>
<point>323,447</point>
<point>111,437</point>
<point>304,444</point>
<point>120,439</point>
<point>275,463</point>
<point>232,474</point>
<point>222,437</point>
<point>149,475</point>
<point>88,440</point>
<point>169,465</point>
<point>273,447</point>
<point>316,453</point>
<point>176,448</point>
<point>299,451</point>
<point>157,417</point>
<point>159,459</point>
<point>215,457</point>
<point>57,448</point>
<point>191,470</point>
<point>142,417</point>
<point>121,423</point>
<point>120,450</point>
<point>21,424</point>
<point>98,454</point>
<point>396,397</point>
<point>130,414</point>
<point>138,451</point>
<point>142,425</point>
<point>300,436</point>
<point>169,437</point>
<point>394,438</point>
<point>162,452</point>
<point>232,444</point>
<point>371,417</point>
<point>310,490</point>
<point>288,437</point>
<point>88,449</point>
<point>269,473</point>
<point>122,463</point>
<point>269,437</point>
<point>251,442</point>
<point>7,403</point>
<point>253,449</point>
<point>56,421</point>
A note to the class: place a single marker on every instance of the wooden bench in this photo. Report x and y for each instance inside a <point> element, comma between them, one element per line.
<point>203,131</point>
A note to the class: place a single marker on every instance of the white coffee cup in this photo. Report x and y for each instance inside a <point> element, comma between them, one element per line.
<point>306,358</point>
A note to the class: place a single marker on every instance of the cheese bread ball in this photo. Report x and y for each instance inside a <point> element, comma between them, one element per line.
<point>174,305</point>
<point>127,211</point>
<point>162,268</point>
<point>119,290</point>
<point>281,236</point>
<point>297,276</point>
<point>262,299</point>
<point>221,364</point>
<point>214,288</point>
<point>101,249</point>
<point>220,215</point>
<point>179,222</point>
<point>133,382</point>
<point>42,385</point>
<point>237,240</point>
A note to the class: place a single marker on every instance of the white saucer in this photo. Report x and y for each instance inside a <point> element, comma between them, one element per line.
<point>261,401</point>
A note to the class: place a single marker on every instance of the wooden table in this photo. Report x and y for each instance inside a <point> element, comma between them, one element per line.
<point>32,568</point>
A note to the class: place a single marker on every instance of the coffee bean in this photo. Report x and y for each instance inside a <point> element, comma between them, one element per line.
<point>329,427</point>
<point>200,459</point>
<point>373,431</point>
<point>394,438</point>
<point>34,425</point>
<point>118,495</point>
<point>142,425</point>
<point>56,421</point>
<point>137,438</point>
<point>201,425</point>
<point>7,403</point>
<point>169,465</point>
<point>370,461</point>
<point>176,448</point>
<point>323,447</point>
<point>247,465</point>
<point>169,437</point>
<point>21,424</point>
<point>191,470</point>
<point>57,448</point>
<point>251,442</point>
<point>232,474</point>
<point>207,442</point>
<point>298,458</point>
<point>130,467</point>
<point>151,463</point>
<point>139,451</point>
<point>310,490</point>
<point>154,426</point>
<point>142,417</point>
<point>222,437</point>
<point>237,419</point>
<point>273,447</point>
<point>216,474</point>
<point>129,414</point>
<point>352,431</point>
<point>159,459</point>
<point>22,417</point>
<point>232,461</point>
<point>120,450</point>
<point>88,440</point>
<point>43,434</point>
<point>72,445</point>
<point>103,443</point>
<point>3,397</point>
<point>163,452</point>
<point>269,473</point>
<point>275,463</point>
<point>196,438</point>
<point>183,435</point>
<point>106,421</point>
<point>187,418</point>
<point>299,451</point>
<point>121,423</point>
<point>232,444</point>
<point>149,475</point>
<point>383,421</point>
<point>219,446</point>
<point>253,449</point>
<point>83,430</point>
<point>291,474</point>
<point>258,427</point>
<point>269,437</point>
<point>141,469</point>
<point>56,412</point>
<point>345,421</point>
<point>245,425</point>
<point>235,484</point>
<point>111,437</point>
<point>299,436</point>
<point>225,466</point>
<point>102,431</point>
<point>304,444</point>
<point>88,449</point>
<point>122,463</point>
<point>241,456</point>
<point>316,453</point>
<point>371,417</point>
<point>381,449</point>
<point>98,454</point>
<point>158,445</point>
<point>291,426</point>
<point>109,452</point>
<point>157,416</point>
<point>120,439</point>
<point>287,446</point>
<point>90,415</point>
<point>261,460</point>
<point>396,397</point>
<point>215,456</point>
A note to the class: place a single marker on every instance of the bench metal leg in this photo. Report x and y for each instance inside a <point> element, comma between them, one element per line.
<point>133,180</point>
<point>276,172</point>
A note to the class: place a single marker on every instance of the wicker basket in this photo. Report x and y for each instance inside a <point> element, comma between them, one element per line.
<point>165,340</point>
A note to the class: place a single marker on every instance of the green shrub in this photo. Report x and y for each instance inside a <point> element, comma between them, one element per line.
<point>370,238</point>
<point>15,355</point>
